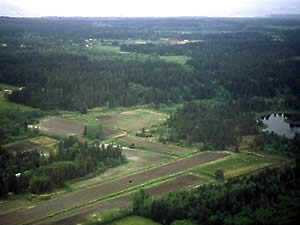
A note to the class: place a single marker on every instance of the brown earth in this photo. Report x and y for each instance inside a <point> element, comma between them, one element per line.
<point>153,145</point>
<point>110,132</point>
<point>59,126</point>
<point>179,183</point>
<point>84,196</point>
<point>107,119</point>
<point>137,160</point>
<point>131,120</point>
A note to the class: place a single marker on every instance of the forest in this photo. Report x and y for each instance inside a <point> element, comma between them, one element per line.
<point>238,201</point>
<point>38,173</point>
<point>209,81</point>
<point>56,73</point>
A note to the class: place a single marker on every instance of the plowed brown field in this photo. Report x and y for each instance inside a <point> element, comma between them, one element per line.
<point>84,196</point>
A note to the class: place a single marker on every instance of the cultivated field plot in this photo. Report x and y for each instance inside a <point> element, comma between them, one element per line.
<point>44,141</point>
<point>143,143</point>
<point>59,126</point>
<point>137,160</point>
<point>179,183</point>
<point>132,120</point>
<point>109,132</point>
<point>236,165</point>
<point>83,196</point>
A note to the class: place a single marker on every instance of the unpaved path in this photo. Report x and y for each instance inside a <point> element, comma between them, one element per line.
<point>84,196</point>
<point>179,183</point>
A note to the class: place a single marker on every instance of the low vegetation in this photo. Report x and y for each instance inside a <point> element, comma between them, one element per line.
<point>236,165</point>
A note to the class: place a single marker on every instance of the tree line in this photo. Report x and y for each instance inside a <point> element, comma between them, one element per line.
<point>224,65</point>
<point>271,197</point>
<point>32,171</point>
<point>219,126</point>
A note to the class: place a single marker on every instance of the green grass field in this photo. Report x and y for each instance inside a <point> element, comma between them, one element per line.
<point>134,220</point>
<point>235,165</point>
<point>44,141</point>
<point>180,59</point>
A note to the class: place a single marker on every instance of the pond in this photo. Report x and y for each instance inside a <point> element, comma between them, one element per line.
<point>276,123</point>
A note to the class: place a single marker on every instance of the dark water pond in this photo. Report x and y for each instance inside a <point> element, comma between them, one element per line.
<point>276,123</point>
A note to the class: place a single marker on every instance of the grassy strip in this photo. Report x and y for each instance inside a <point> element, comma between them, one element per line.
<point>235,165</point>
<point>147,185</point>
<point>126,220</point>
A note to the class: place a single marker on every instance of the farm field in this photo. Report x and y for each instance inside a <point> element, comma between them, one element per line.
<point>181,182</point>
<point>236,165</point>
<point>82,197</point>
<point>132,120</point>
<point>145,144</point>
<point>63,127</point>
<point>137,160</point>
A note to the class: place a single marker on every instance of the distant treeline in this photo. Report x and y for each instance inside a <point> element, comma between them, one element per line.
<point>71,81</point>
<point>239,63</point>
<point>30,170</point>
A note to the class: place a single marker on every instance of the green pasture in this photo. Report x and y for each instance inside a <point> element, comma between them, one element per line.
<point>134,220</point>
<point>180,59</point>
<point>235,165</point>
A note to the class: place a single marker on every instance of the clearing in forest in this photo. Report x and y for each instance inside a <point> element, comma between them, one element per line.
<point>132,120</point>
<point>145,144</point>
<point>59,126</point>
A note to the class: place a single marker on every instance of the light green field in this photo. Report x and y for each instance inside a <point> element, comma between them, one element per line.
<point>5,104</point>
<point>134,220</point>
<point>180,59</point>
<point>122,118</point>
<point>88,119</point>
<point>44,141</point>
<point>235,165</point>
<point>132,120</point>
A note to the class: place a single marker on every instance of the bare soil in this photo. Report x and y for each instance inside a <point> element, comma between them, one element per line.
<point>179,183</point>
<point>132,120</point>
<point>59,126</point>
<point>83,196</point>
<point>137,160</point>
<point>107,119</point>
<point>108,132</point>
<point>153,145</point>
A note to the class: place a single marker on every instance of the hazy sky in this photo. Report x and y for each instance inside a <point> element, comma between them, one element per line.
<point>137,8</point>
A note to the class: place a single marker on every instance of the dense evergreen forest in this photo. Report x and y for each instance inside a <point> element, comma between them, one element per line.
<point>58,60</point>
<point>271,197</point>
<point>34,171</point>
